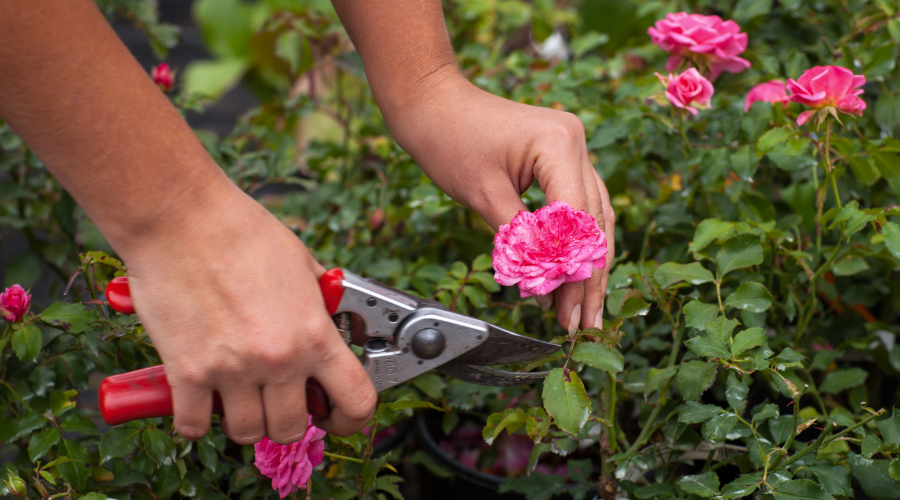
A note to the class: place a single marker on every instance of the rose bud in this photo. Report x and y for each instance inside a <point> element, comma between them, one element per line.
<point>162,76</point>
<point>14,303</point>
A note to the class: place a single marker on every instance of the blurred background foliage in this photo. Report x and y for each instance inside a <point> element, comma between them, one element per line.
<point>310,144</point>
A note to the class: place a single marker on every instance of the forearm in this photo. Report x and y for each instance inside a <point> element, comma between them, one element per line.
<point>81,102</point>
<point>404,47</point>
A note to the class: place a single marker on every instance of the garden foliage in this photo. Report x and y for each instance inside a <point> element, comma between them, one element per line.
<point>749,347</point>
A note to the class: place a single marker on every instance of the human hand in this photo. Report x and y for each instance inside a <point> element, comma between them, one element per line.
<point>484,151</point>
<point>232,303</point>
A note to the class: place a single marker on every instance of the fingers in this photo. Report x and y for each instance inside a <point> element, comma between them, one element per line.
<point>285,410</point>
<point>501,202</point>
<point>347,384</point>
<point>244,421</point>
<point>559,169</point>
<point>192,406</point>
<point>609,228</point>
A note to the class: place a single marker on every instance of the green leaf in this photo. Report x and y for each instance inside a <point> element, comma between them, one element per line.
<point>535,487</point>
<point>704,485</point>
<point>588,41</point>
<point>695,413</point>
<point>77,422</point>
<point>158,445</point>
<point>870,445</point>
<point>716,428</point>
<point>709,231</point>
<point>874,477</point>
<point>721,328</point>
<point>891,233</point>
<point>855,218</point>
<point>736,392</point>
<point>742,486</point>
<point>887,111</point>
<point>894,470</point>
<point>566,400</point>
<point>765,412</point>
<point>511,420</point>
<point>745,10</point>
<point>370,471</point>
<point>118,442</point>
<point>890,428</point>
<point>750,296</point>
<point>482,263</point>
<point>708,347</point>
<point>835,479</point>
<point>697,314</point>
<point>61,401</point>
<point>801,489</point>
<point>213,78</point>
<point>747,339</point>
<point>165,481</point>
<point>888,164</point>
<point>656,378</point>
<point>739,252</point>
<point>27,342</point>
<point>774,137</point>
<point>599,356</point>
<point>431,384</point>
<point>388,484</point>
<point>73,318</point>
<point>41,443</point>
<point>840,380</point>
<point>459,270</point>
<point>75,473</point>
<point>670,273</point>
<point>207,451</point>
<point>744,162</point>
<point>864,170</point>
<point>634,306</point>
<point>849,266</point>
<point>694,377</point>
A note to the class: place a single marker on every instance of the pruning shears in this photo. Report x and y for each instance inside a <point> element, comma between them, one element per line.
<point>402,336</point>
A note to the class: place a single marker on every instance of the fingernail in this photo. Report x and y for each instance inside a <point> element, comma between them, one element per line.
<point>544,301</point>
<point>598,319</point>
<point>574,320</point>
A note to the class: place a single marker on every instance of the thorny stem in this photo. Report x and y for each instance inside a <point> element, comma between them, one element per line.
<point>765,458</point>
<point>807,317</point>
<point>687,143</point>
<point>611,415</point>
<point>829,167</point>
<point>821,442</point>
<point>815,392</point>
<point>342,457</point>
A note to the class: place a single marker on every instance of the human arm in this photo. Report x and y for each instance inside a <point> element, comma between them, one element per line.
<point>482,150</point>
<point>225,291</point>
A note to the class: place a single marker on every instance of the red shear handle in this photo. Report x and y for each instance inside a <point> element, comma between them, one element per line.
<point>146,393</point>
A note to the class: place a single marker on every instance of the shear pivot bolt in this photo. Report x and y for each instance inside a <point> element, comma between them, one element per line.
<point>428,343</point>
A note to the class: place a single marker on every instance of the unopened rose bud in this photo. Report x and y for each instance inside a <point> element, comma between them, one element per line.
<point>163,77</point>
<point>16,486</point>
<point>376,219</point>
<point>14,303</point>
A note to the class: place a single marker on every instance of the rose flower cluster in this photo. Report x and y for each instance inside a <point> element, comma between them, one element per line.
<point>713,46</point>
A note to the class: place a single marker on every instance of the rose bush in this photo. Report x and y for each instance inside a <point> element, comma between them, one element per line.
<point>750,345</point>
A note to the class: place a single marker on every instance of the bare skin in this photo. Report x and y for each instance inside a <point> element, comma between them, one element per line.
<point>215,278</point>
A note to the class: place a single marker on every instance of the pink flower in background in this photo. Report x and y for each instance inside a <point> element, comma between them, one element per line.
<point>290,466</point>
<point>711,42</point>
<point>14,303</point>
<point>688,88</point>
<point>554,245</point>
<point>163,77</point>
<point>773,92</point>
<point>827,87</point>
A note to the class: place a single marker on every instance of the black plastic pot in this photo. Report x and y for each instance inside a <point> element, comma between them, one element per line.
<point>467,482</point>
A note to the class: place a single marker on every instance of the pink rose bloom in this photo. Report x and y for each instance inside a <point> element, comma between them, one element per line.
<point>827,87</point>
<point>290,466</point>
<point>554,245</point>
<point>688,88</point>
<point>710,41</point>
<point>14,303</point>
<point>773,92</point>
<point>162,76</point>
